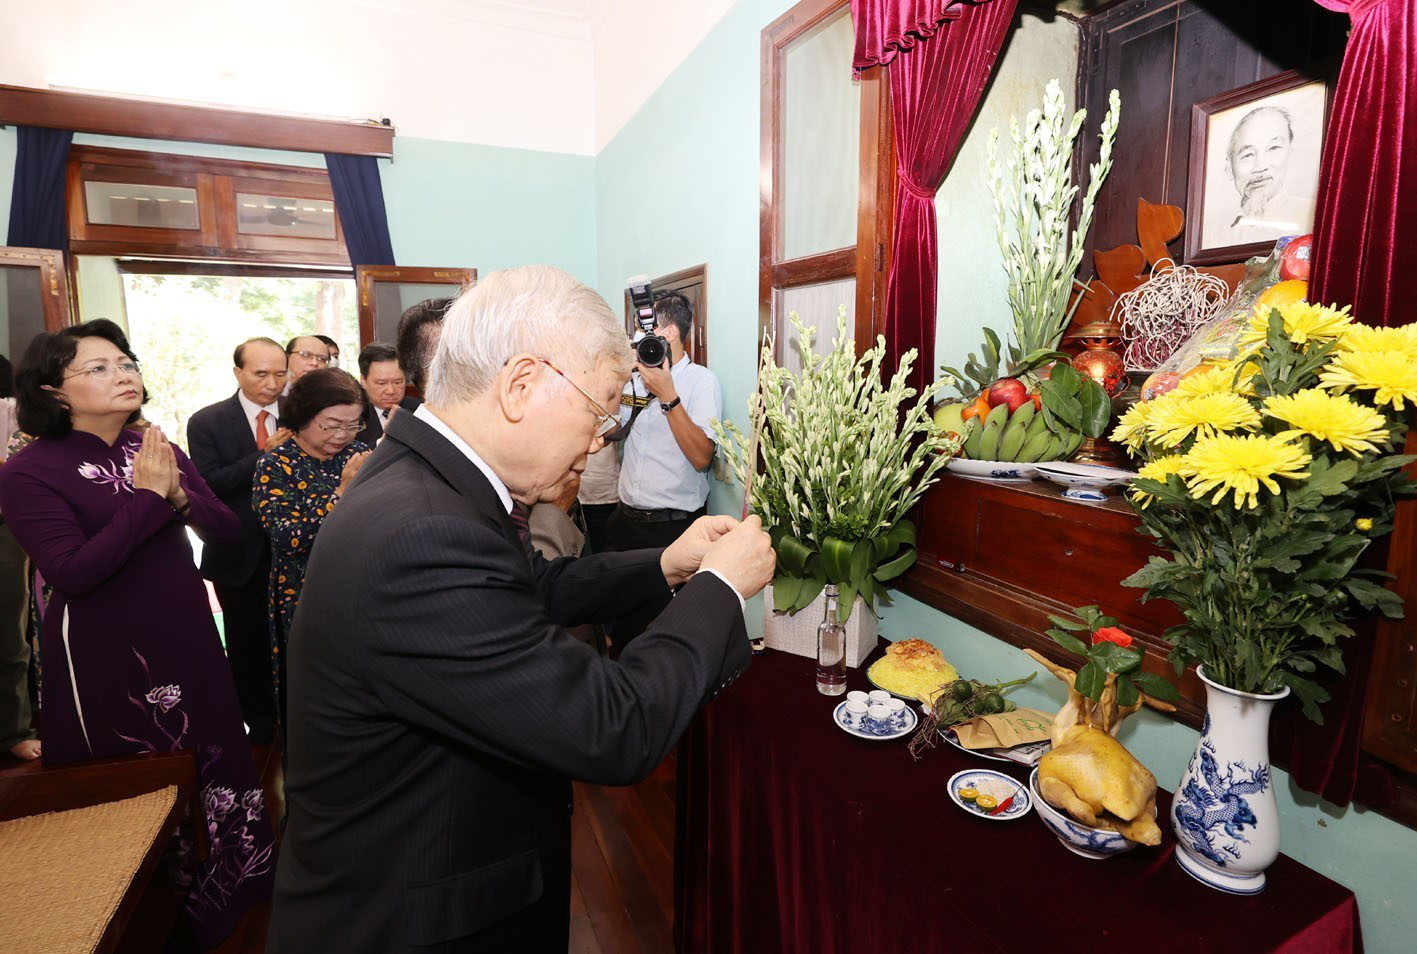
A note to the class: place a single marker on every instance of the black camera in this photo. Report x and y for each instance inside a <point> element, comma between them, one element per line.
<point>651,350</point>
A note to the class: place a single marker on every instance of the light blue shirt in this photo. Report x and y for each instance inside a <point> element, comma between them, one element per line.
<point>655,474</point>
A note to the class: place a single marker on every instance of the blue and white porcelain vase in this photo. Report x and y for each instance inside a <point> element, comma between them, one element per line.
<point>1224,812</point>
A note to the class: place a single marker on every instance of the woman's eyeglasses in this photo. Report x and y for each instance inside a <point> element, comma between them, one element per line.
<point>104,372</point>
<point>346,428</point>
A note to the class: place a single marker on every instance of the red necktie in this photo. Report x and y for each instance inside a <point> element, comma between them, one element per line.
<point>521,519</point>
<point>263,433</point>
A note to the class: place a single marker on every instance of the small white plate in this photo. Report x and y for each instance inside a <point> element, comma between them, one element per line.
<point>991,781</point>
<point>1006,471</point>
<point>1084,481</point>
<point>911,721</point>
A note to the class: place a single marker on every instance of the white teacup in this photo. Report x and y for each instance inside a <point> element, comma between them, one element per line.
<point>853,715</point>
<point>856,695</point>
<point>878,719</point>
<point>879,697</point>
<point>898,715</point>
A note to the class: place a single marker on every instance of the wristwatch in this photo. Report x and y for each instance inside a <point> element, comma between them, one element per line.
<point>666,408</point>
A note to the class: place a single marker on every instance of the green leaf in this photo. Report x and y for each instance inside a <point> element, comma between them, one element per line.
<point>811,588</point>
<point>846,600</point>
<point>1096,408</point>
<point>1063,406</point>
<point>785,590</point>
<point>793,554</point>
<point>893,569</point>
<point>1127,693</point>
<point>1090,681</point>
<point>1066,377</point>
<point>1156,687</point>
<point>861,561</point>
<point>1071,625</point>
<point>1115,658</point>
<point>1068,641</point>
<point>836,559</point>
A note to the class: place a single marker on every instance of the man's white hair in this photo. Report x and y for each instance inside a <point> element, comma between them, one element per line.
<point>535,309</point>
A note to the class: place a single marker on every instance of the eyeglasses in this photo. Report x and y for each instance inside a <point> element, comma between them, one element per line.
<point>312,356</point>
<point>607,422</point>
<point>103,372</point>
<point>346,428</point>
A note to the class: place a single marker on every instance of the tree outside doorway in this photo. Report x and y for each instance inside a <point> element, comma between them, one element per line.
<point>184,329</point>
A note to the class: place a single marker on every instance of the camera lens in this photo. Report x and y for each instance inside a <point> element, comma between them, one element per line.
<point>650,350</point>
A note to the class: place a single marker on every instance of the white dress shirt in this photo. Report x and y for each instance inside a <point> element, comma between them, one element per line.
<point>435,422</point>
<point>654,473</point>
<point>253,410</point>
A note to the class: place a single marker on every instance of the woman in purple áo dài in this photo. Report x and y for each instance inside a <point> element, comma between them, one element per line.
<point>132,658</point>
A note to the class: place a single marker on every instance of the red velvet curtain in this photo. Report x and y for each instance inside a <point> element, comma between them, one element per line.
<point>936,82</point>
<point>1364,222</point>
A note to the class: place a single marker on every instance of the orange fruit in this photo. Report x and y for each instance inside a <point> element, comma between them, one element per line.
<point>1282,293</point>
<point>980,408</point>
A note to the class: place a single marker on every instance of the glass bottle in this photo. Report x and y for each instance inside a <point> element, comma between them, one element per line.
<point>831,650</point>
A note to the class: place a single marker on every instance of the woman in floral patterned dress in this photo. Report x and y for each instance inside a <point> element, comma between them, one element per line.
<point>298,483</point>
<point>132,659</point>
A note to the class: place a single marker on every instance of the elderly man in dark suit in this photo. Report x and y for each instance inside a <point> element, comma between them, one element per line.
<point>225,440</point>
<point>438,708</point>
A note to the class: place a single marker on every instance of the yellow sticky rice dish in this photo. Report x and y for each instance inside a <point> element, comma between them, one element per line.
<point>912,668</point>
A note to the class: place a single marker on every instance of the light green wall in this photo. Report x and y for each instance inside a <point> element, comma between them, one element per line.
<point>679,186</point>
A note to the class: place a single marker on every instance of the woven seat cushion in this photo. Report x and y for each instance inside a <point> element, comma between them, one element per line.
<point>63,874</point>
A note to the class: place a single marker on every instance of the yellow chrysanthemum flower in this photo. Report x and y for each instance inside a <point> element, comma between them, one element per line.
<point>1131,428</point>
<point>1213,380</point>
<point>1242,464</point>
<point>1303,323</point>
<point>1368,338</point>
<point>1172,421</point>
<point>1391,375</point>
<point>1159,470</point>
<point>1336,418</point>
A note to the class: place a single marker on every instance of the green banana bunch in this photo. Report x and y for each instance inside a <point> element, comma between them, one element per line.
<point>1024,436</point>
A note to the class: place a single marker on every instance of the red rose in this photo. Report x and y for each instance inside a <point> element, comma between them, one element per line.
<point>1111,634</point>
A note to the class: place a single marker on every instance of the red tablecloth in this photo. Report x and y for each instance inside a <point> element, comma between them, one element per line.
<point>797,837</point>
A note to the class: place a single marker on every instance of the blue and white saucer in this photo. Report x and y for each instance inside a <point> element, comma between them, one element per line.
<point>873,732</point>
<point>1002,787</point>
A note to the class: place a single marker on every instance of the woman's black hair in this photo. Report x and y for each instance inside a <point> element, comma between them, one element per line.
<point>41,412</point>
<point>317,390</point>
<point>7,378</point>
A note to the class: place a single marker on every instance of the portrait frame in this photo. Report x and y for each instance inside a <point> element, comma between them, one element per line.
<point>1212,195</point>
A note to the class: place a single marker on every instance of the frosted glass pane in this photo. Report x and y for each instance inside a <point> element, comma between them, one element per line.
<point>392,299</point>
<point>145,206</point>
<point>284,215</point>
<point>21,311</point>
<point>817,306</point>
<point>821,123</point>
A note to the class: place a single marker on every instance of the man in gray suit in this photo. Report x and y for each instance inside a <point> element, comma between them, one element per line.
<point>438,708</point>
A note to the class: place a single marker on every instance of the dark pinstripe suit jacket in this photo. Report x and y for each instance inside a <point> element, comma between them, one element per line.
<point>438,710</point>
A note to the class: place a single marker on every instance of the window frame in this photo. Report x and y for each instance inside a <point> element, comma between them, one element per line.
<point>868,262</point>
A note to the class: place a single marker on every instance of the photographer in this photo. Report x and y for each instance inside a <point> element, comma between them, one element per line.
<point>665,414</point>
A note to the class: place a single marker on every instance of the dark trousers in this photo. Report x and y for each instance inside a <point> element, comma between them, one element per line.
<point>624,532</point>
<point>597,517</point>
<point>245,612</point>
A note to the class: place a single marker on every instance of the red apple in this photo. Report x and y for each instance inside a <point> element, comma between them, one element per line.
<point>1010,391</point>
<point>1294,261</point>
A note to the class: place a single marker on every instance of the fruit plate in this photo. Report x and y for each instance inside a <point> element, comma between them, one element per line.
<point>1027,754</point>
<point>1084,481</point>
<point>911,721</point>
<point>1011,795</point>
<point>1006,471</point>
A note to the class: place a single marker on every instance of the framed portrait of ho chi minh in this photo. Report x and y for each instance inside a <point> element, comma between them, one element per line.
<point>1254,166</point>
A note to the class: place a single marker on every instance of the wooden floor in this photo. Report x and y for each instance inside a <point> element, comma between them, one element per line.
<point>622,867</point>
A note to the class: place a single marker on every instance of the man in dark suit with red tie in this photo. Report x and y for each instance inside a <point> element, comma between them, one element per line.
<point>438,707</point>
<point>225,440</point>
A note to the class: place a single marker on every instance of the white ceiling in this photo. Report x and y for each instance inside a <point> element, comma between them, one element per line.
<point>551,75</point>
